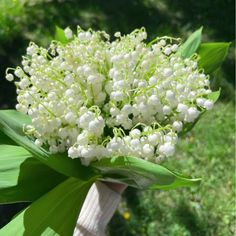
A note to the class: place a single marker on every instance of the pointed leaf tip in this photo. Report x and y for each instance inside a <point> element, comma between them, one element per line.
<point>212,55</point>
<point>60,35</point>
<point>190,46</point>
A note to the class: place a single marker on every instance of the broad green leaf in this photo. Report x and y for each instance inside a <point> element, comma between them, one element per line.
<point>130,170</point>
<point>12,123</point>
<point>54,214</point>
<point>60,35</point>
<point>190,46</point>
<point>140,173</point>
<point>22,177</point>
<point>214,96</point>
<point>212,56</point>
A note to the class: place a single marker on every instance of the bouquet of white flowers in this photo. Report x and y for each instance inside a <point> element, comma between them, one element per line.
<point>91,108</point>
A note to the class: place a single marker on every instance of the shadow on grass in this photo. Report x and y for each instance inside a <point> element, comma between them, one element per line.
<point>145,211</point>
<point>187,217</point>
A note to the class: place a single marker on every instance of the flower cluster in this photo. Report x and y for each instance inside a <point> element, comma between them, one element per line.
<point>98,98</point>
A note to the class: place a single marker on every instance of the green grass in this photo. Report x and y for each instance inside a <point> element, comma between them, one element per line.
<point>208,209</point>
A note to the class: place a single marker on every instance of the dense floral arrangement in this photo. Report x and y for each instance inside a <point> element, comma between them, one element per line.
<point>116,105</point>
<point>100,98</point>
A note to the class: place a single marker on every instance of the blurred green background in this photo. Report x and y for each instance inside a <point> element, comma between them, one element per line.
<point>208,151</point>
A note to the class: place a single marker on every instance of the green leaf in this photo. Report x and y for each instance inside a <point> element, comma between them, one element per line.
<point>212,56</point>
<point>190,46</point>
<point>130,170</point>
<point>214,96</point>
<point>53,214</point>
<point>60,35</point>
<point>140,173</point>
<point>12,123</point>
<point>22,177</point>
